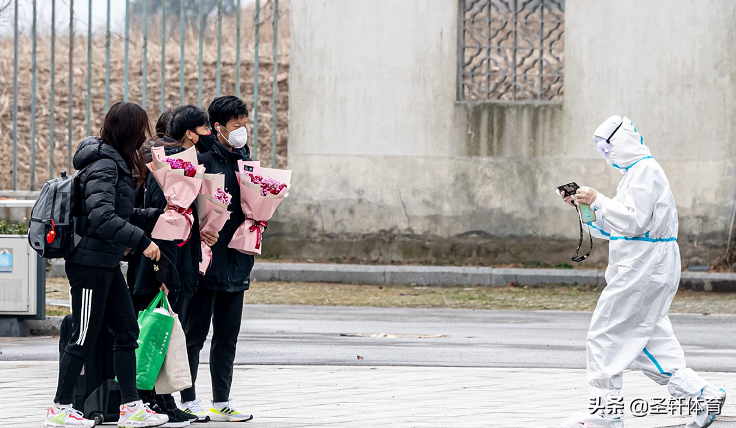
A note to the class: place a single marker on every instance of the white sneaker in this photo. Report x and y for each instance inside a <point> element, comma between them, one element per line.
<point>65,416</point>
<point>139,415</point>
<point>704,418</point>
<point>585,420</point>
<point>195,408</point>
<point>225,412</point>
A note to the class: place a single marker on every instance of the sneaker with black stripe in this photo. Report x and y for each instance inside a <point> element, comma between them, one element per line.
<point>194,408</point>
<point>226,412</point>
<point>182,415</point>
<point>174,420</point>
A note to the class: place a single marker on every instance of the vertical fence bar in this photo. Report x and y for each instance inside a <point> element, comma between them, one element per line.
<point>127,42</point>
<point>275,94</point>
<point>219,45</point>
<point>255,82</point>
<point>237,51</point>
<point>489,50</point>
<point>70,98</point>
<point>516,45</point>
<point>15,100</point>
<point>201,40</point>
<point>52,144</point>
<point>33,103</point>
<point>107,60</point>
<point>181,53</point>
<point>144,66</point>
<point>460,90</point>
<point>89,70</point>
<point>163,55</point>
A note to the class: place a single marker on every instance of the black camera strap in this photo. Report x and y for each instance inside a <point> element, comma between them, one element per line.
<point>577,258</point>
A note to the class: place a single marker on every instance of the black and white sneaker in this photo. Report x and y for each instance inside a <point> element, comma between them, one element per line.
<point>194,408</point>
<point>174,421</point>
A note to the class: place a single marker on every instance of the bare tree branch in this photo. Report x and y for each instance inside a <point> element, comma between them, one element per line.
<point>4,6</point>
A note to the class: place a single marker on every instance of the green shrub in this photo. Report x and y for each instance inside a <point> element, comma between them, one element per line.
<point>13,228</point>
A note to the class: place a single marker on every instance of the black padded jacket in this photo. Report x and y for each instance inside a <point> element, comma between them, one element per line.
<point>109,221</point>
<point>186,257</point>
<point>230,270</point>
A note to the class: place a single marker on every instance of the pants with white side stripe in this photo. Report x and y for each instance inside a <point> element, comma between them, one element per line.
<point>97,294</point>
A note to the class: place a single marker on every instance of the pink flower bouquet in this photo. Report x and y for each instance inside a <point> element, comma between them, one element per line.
<point>212,204</point>
<point>180,178</point>
<point>261,192</point>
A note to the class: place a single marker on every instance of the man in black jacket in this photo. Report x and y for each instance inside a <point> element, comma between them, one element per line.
<point>219,298</point>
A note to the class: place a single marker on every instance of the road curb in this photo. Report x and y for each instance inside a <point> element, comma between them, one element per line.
<point>48,327</point>
<point>459,275</point>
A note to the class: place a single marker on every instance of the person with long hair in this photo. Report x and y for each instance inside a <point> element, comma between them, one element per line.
<point>177,130</point>
<point>110,226</point>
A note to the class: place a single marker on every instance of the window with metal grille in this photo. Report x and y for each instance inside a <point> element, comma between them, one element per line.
<point>512,50</point>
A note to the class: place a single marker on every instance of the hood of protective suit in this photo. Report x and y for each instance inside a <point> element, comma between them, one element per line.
<point>627,144</point>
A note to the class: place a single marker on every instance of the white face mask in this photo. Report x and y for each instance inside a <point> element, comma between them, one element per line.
<point>237,138</point>
<point>604,148</point>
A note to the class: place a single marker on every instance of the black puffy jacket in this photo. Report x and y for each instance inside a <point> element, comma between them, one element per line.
<point>109,221</point>
<point>230,270</point>
<point>186,258</point>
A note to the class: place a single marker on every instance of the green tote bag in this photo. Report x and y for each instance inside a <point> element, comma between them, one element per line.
<point>153,341</point>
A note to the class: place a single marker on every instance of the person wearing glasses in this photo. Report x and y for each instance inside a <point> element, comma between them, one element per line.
<point>630,323</point>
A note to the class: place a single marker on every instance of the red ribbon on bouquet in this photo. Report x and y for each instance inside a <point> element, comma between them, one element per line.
<point>256,227</point>
<point>187,213</point>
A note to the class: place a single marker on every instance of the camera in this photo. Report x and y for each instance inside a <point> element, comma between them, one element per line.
<point>587,214</point>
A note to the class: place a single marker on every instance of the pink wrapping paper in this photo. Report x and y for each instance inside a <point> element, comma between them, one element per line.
<point>180,192</point>
<point>258,209</point>
<point>248,237</point>
<point>213,220</point>
<point>210,184</point>
<point>254,205</point>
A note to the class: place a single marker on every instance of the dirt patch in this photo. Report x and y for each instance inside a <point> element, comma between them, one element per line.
<point>549,297</point>
<point>561,297</point>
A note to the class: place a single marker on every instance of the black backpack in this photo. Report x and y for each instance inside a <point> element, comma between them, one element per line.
<point>51,228</point>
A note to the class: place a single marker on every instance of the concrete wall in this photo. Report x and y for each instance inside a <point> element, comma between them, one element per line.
<point>388,166</point>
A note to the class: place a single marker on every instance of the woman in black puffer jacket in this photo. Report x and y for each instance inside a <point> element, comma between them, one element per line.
<point>111,225</point>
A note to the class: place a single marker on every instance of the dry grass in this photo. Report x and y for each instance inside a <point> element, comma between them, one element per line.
<point>57,311</point>
<point>548,297</point>
<point>79,92</point>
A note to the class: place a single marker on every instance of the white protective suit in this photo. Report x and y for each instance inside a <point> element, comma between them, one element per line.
<point>630,322</point>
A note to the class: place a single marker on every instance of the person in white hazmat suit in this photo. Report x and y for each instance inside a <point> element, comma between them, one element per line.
<point>630,323</point>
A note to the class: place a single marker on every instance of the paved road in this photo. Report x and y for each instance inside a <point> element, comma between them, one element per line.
<point>395,397</point>
<point>300,345</point>
<point>306,335</point>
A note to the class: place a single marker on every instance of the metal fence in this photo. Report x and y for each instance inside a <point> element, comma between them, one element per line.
<point>511,50</point>
<point>183,48</point>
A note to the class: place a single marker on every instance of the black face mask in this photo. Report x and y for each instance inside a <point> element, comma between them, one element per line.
<point>205,143</point>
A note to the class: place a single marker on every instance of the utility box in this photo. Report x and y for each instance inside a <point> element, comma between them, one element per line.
<point>22,279</point>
